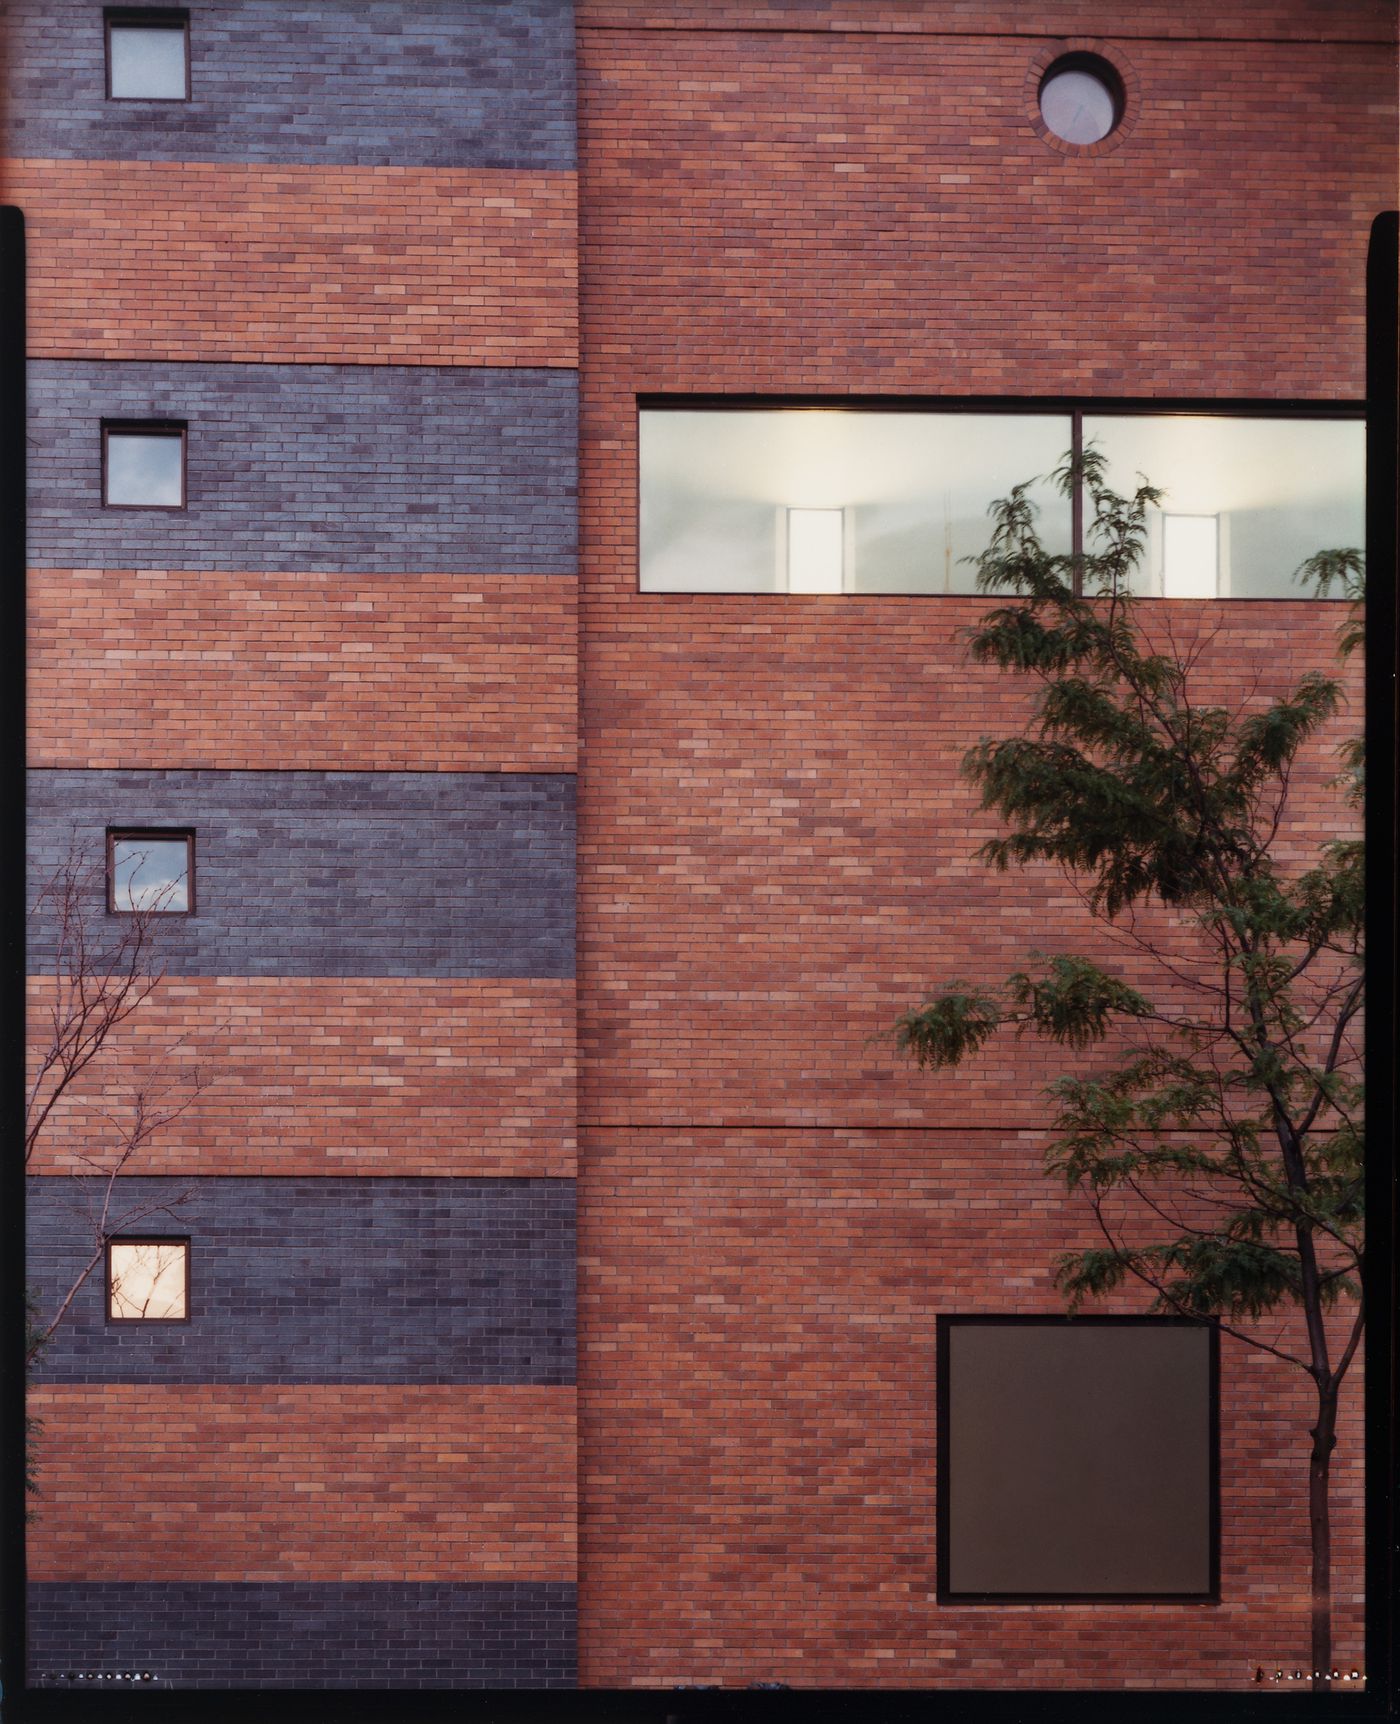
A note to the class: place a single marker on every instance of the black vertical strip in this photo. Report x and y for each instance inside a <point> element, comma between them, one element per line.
<point>12,1641</point>
<point>1382,1213</point>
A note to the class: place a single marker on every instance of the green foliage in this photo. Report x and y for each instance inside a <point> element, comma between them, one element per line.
<point>1222,1151</point>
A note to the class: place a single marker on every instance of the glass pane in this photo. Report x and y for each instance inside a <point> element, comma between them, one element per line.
<point>150,874</point>
<point>148,1279</point>
<point>1077,107</point>
<point>144,468</point>
<point>719,493</point>
<point>148,61</point>
<point>1263,493</point>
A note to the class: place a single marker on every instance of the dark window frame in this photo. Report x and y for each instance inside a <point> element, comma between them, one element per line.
<point>944,1593</point>
<point>170,428</point>
<point>148,18</point>
<point>1076,407</point>
<point>116,834</point>
<point>181,1239</point>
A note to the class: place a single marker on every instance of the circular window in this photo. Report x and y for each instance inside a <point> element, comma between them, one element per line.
<point>1081,99</point>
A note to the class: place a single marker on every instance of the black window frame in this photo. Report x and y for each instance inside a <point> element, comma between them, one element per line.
<point>147,18</point>
<point>115,834</point>
<point>944,1593</point>
<point>181,1239</point>
<point>1076,407</point>
<point>169,428</point>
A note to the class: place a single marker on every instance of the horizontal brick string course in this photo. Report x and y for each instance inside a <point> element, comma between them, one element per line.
<point>369,265</point>
<point>334,1076</point>
<point>247,671</point>
<point>312,1482</point>
<point>758,1432</point>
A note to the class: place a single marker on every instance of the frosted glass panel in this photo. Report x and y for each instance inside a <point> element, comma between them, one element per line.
<point>720,490</point>
<point>144,470</point>
<point>1277,490</point>
<point>148,61</point>
<point>148,1279</point>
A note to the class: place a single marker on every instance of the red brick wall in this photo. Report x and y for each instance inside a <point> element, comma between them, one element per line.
<point>758,1432</point>
<point>305,1482</point>
<point>371,266</point>
<point>244,671</point>
<point>775,844</point>
<point>308,1075</point>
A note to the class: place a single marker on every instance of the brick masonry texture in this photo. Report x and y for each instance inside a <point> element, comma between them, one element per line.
<point>345,468</point>
<point>1282,20</point>
<point>434,84</point>
<point>366,1634</point>
<point>758,1428</point>
<point>778,850</point>
<point>334,873</point>
<point>322,1280</point>
<point>198,261</point>
<point>939,246</point>
<point>304,1483</point>
<point>247,671</point>
<point>308,1077</point>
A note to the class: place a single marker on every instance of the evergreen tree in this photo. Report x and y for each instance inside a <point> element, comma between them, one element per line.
<point>1218,1132</point>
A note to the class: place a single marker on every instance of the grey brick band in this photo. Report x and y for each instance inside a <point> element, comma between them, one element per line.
<point>324,1281</point>
<point>440,83</point>
<point>366,1634</point>
<point>334,873</point>
<point>343,468</point>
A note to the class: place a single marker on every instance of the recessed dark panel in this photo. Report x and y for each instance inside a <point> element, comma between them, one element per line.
<point>1077,1458</point>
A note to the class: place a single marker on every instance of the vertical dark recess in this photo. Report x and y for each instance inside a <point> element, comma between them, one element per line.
<point>12,948</point>
<point>1382,1214</point>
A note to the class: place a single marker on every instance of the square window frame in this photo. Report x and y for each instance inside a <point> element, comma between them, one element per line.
<point>182,1239</point>
<point>170,428</point>
<point>147,17</point>
<point>166,834</point>
<point>944,1593</point>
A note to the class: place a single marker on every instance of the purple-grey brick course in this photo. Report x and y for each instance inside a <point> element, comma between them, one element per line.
<point>304,1634</point>
<point>348,469</point>
<point>331,873</point>
<point>322,1281</point>
<point>440,83</point>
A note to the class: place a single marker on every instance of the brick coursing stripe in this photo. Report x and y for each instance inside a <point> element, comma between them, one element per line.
<point>343,468</point>
<point>177,1482</point>
<point>435,84</point>
<point>246,671</point>
<point>327,1634</point>
<point>374,266</point>
<point>334,873</point>
<point>306,1077</point>
<point>774,1296</point>
<point>323,1281</point>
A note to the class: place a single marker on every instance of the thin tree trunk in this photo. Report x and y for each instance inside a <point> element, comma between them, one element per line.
<point>1324,1437</point>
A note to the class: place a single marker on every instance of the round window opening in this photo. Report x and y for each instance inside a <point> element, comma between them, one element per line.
<point>1081,99</point>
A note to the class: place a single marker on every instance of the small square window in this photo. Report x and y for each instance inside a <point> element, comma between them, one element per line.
<point>143,465</point>
<point>148,56</point>
<point>1078,1459</point>
<point>151,871</point>
<point>148,1280</point>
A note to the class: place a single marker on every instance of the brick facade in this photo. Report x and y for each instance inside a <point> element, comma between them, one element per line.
<point>408,324</point>
<point>313,467</point>
<point>322,1280</point>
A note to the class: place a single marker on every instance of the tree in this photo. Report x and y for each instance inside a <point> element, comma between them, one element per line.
<point>1217,1131</point>
<point>97,985</point>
